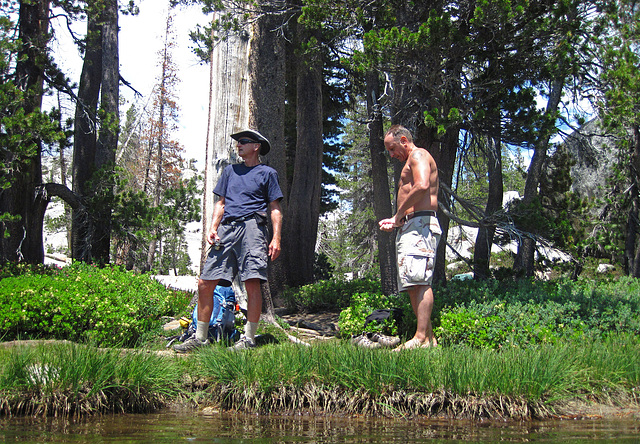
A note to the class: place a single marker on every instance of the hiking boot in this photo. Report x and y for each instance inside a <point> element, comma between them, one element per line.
<point>364,340</point>
<point>190,344</point>
<point>355,339</point>
<point>243,343</point>
<point>384,340</point>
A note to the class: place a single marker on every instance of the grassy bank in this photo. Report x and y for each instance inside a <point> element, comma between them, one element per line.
<point>455,382</point>
<point>66,379</point>
<point>509,349</point>
<point>326,378</point>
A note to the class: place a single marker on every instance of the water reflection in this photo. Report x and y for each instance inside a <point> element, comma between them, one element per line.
<point>189,427</point>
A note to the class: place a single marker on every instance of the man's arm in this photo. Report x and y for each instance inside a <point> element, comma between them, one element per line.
<point>218,212</point>
<point>276,223</point>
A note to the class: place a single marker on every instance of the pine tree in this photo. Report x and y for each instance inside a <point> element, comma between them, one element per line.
<point>153,182</point>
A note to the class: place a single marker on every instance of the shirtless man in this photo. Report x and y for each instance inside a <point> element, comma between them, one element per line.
<point>418,229</point>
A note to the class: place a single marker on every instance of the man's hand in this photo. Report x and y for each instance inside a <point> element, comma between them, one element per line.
<point>213,237</point>
<point>388,224</point>
<point>274,249</point>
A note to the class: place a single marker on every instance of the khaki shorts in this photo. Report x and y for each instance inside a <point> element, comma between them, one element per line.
<point>416,245</point>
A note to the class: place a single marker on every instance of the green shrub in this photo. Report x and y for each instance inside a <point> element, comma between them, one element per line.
<point>495,314</point>
<point>513,313</point>
<point>497,325</point>
<point>330,294</point>
<point>352,319</point>
<point>107,306</point>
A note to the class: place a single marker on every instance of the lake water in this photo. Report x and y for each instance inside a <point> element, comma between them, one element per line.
<point>190,427</point>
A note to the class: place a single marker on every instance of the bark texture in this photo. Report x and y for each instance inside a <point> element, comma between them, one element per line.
<point>301,223</point>
<point>24,198</point>
<point>85,135</point>
<point>267,68</point>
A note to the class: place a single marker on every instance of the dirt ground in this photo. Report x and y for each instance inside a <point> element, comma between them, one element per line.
<point>321,325</point>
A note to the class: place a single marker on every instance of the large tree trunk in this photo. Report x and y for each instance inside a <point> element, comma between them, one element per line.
<point>526,248</point>
<point>381,197</point>
<point>301,225</point>
<point>85,135</point>
<point>229,108</point>
<point>484,239</point>
<point>109,128</point>
<point>267,68</point>
<point>23,199</point>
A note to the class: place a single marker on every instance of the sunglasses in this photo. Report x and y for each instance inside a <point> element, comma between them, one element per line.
<point>246,141</point>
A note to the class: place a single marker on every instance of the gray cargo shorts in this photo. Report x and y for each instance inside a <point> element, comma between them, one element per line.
<point>244,252</point>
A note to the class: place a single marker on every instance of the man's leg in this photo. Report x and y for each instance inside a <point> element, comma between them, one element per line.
<point>254,307</point>
<point>421,297</point>
<point>254,310</point>
<point>205,307</point>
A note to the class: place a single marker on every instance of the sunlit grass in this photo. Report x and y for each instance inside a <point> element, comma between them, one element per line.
<point>535,378</point>
<point>332,377</point>
<point>73,379</point>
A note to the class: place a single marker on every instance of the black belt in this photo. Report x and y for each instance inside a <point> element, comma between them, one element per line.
<point>238,220</point>
<point>413,214</point>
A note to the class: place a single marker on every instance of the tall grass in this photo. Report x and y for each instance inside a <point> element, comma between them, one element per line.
<point>458,380</point>
<point>330,378</point>
<point>72,380</point>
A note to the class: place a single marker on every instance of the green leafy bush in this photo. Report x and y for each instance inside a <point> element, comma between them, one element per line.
<point>330,294</point>
<point>107,306</point>
<point>512,313</point>
<point>495,314</point>
<point>496,325</point>
<point>352,318</point>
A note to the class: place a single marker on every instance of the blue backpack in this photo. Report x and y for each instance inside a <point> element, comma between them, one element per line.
<point>222,322</point>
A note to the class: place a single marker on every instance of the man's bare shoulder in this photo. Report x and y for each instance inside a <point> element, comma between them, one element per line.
<point>419,155</point>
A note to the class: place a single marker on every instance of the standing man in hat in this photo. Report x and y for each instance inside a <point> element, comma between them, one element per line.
<point>247,192</point>
<point>418,229</point>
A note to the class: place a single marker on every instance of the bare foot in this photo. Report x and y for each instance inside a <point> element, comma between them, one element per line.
<point>430,344</point>
<point>411,344</point>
